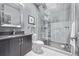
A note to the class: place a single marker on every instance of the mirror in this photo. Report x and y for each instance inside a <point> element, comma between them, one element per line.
<point>11,15</point>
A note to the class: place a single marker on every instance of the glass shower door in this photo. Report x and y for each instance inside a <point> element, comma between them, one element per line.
<point>60,34</point>
<point>60,27</point>
<point>60,31</point>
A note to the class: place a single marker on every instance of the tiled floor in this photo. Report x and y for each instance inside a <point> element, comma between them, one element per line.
<point>58,45</point>
<point>46,52</point>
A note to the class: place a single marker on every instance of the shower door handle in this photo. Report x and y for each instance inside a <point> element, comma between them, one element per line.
<point>72,38</point>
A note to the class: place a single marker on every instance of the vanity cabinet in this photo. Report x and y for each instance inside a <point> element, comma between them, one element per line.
<point>17,46</point>
<point>20,46</point>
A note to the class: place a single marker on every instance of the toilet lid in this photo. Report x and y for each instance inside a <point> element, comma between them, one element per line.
<point>38,42</point>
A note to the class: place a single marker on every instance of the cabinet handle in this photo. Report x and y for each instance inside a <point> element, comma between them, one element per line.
<point>19,41</point>
<point>22,40</point>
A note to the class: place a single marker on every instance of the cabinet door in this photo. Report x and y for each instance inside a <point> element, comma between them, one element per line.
<point>22,46</point>
<point>26,45</point>
<point>15,47</point>
<point>4,47</point>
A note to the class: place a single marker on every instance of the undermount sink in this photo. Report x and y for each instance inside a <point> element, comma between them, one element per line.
<point>13,35</point>
<point>6,36</point>
<point>10,36</point>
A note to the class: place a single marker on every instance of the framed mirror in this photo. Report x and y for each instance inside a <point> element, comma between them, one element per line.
<point>11,14</point>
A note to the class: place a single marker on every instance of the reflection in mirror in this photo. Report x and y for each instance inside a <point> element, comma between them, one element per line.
<point>11,14</point>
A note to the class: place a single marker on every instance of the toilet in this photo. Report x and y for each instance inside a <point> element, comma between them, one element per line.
<point>37,45</point>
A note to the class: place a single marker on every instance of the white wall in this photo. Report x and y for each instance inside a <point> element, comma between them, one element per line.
<point>30,9</point>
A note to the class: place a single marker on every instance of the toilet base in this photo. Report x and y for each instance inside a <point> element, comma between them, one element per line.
<point>37,48</point>
<point>37,51</point>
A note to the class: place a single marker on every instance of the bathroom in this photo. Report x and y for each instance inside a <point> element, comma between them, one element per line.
<point>39,29</point>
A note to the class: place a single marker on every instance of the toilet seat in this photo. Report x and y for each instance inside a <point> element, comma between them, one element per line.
<point>38,42</point>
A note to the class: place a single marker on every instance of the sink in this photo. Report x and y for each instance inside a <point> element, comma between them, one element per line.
<point>5,36</point>
<point>11,36</point>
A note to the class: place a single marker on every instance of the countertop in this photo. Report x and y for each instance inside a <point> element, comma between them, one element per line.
<point>12,36</point>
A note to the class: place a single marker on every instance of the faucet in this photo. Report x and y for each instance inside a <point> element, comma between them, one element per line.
<point>13,31</point>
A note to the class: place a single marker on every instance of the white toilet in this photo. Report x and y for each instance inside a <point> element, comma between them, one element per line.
<point>37,45</point>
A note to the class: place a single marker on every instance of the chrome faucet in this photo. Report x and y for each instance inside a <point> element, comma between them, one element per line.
<point>13,31</point>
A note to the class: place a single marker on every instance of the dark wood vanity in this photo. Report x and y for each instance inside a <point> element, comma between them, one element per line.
<point>15,45</point>
<point>10,20</point>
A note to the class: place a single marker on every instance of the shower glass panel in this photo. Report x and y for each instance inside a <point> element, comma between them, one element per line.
<point>59,26</point>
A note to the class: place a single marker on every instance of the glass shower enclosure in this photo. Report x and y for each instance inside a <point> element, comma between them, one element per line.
<point>61,27</point>
<point>56,26</point>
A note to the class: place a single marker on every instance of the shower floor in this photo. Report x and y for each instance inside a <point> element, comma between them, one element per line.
<point>58,45</point>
